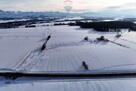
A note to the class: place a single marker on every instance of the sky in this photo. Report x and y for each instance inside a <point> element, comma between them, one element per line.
<point>78,5</point>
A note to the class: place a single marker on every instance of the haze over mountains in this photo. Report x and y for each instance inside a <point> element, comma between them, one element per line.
<point>20,14</point>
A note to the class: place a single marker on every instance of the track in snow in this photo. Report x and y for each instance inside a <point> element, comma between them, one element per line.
<point>128,40</point>
<point>118,44</point>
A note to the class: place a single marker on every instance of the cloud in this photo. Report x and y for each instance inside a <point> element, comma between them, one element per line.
<point>31,5</point>
<point>78,5</point>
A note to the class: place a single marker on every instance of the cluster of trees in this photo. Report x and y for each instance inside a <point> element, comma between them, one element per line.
<point>11,24</point>
<point>29,26</point>
<point>106,26</point>
<point>57,24</point>
<point>16,24</point>
<point>27,23</point>
<point>70,24</point>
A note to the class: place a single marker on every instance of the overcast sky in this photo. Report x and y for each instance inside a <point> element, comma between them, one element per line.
<point>78,5</point>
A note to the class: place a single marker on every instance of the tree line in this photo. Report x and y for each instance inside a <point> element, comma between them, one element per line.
<point>106,26</point>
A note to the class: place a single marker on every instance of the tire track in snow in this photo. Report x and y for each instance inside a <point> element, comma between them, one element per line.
<point>15,63</point>
<point>119,44</point>
<point>31,61</point>
<point>31,64</point>
<point>41,64</point>
<point>24,60</point>
<point>128,40</point>
<point>38,65</point>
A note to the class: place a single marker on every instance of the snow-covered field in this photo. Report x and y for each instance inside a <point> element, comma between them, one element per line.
<point>71,85</point>
<point>66,50</point>
<point>5,21</point>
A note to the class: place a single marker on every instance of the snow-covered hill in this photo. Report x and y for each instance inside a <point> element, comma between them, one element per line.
<point>66,50</point>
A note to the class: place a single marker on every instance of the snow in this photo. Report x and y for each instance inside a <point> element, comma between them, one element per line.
<point>20,50</point>
<point>5,21</point>
<point>66,50</point>
<point>65,22</point>
<point>71,18</point>
<point>71,85</point>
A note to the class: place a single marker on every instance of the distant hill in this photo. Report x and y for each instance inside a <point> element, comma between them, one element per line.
<point>19,14</point>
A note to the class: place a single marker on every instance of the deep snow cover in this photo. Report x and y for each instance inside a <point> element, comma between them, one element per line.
<point>65,52</point>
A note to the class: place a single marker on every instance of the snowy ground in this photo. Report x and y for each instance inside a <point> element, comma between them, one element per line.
<point>71,85</point>
<point>19,49</point>
<point>5,21</point>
